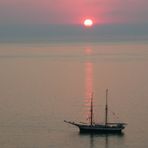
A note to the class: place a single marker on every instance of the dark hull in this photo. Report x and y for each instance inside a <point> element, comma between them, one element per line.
<point>100,130</point>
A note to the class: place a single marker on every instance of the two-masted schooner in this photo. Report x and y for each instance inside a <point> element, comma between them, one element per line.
<point>93,127</point>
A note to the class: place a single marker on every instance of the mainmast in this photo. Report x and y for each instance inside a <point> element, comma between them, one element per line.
<point>106,108</point>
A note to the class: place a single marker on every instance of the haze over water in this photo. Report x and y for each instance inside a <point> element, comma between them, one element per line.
<point>46,79</point>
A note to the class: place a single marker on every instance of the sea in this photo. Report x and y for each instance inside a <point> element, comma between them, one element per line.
<point>46,81</point>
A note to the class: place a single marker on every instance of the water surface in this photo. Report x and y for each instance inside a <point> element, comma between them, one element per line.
<point>43,84</point>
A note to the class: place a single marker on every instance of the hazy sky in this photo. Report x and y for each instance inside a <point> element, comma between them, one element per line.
<point>73,11</point>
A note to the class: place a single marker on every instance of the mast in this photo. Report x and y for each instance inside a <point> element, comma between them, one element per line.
<point>91,110</point>
<point>106,108</point>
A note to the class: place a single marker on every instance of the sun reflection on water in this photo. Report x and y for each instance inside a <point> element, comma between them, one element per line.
<point>88,83</point>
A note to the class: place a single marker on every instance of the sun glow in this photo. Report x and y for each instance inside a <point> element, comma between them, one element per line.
<point>88,23</point>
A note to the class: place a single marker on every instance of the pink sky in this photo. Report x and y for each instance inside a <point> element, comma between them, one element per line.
<point>73,12</point>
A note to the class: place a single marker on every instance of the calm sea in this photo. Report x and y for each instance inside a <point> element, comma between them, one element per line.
<point>41,85</point>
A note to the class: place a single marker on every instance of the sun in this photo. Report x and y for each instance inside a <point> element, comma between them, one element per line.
<point>88,23</point>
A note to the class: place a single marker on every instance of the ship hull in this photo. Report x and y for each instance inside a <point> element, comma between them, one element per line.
<point>101,130</point>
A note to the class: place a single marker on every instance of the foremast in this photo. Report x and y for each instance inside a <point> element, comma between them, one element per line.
<point>106,108</point>
<point>91,110</point>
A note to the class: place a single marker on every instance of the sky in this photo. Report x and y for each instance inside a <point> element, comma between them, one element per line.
<point>73,12</point>
<point>56,20</point>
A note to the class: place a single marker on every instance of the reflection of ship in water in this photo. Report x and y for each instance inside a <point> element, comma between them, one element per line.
<point>103,140</point>
<point>92,127</point>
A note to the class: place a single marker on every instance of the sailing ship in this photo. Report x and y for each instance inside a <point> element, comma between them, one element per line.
<point>93,127</point>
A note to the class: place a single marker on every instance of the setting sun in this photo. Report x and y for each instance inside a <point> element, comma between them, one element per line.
<point>88,22</point>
